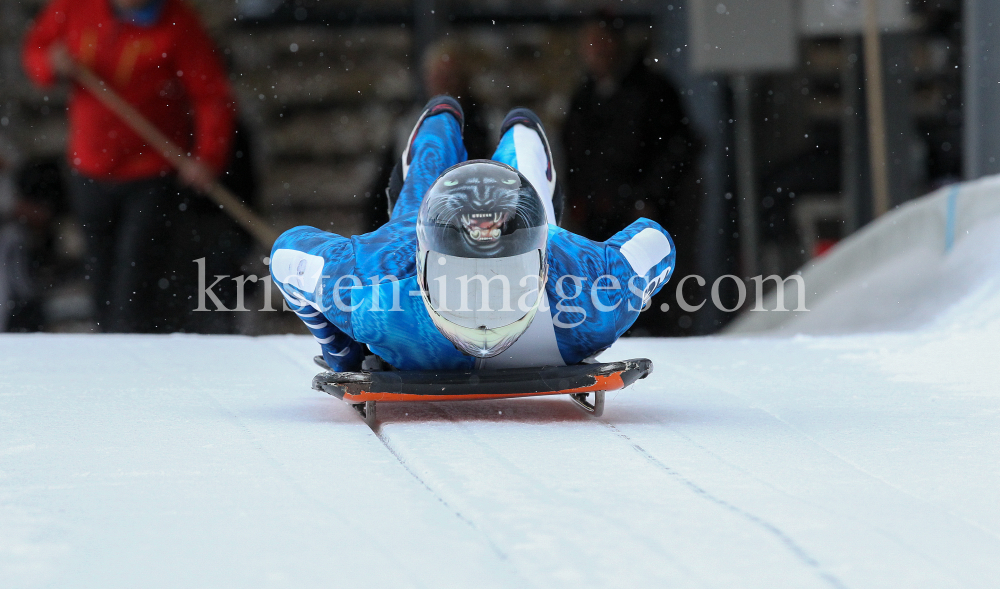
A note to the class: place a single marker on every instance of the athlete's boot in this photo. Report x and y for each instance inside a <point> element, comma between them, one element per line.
<point>435,106</point>
<point>524,146</point>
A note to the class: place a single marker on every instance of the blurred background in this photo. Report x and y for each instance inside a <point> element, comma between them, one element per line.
<point>742,126</point>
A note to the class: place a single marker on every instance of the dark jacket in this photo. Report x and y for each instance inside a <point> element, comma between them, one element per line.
<point>626,152</point>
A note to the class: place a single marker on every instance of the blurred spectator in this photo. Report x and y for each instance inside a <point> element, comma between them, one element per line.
<point>445,69</point>
<point>19,301</point>
<point>16,289</point>
<point>630,153</point>
<point>199,229</point>
<point>26,241</point>
<point>157,56</point>
<point>9,159</point>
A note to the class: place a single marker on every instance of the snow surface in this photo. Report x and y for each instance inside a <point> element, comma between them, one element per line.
<point>853,460</point>
<point>199,461</point>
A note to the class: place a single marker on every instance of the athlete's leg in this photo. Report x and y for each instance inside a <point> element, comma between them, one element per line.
<point>524,146</point>
<point>434,146</point>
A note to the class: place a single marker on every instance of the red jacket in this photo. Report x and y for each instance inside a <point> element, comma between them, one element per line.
<point>170,72</point>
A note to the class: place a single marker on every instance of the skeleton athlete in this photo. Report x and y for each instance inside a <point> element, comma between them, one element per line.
<point>472,270</point>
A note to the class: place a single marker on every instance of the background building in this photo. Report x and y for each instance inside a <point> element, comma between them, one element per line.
<point>322,85</point>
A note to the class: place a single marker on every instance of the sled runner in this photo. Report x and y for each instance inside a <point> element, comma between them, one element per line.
<point>366,388</point>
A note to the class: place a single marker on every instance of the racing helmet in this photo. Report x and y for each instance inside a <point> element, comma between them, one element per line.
<point>481,255</point>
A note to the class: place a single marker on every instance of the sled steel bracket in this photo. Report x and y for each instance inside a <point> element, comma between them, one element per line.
<point>367,412</point>
<point>595,409</point>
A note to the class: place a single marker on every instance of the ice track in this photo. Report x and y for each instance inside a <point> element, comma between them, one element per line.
<point>189,461</point>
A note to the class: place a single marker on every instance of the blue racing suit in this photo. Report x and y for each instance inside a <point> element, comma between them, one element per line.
<point>363,289</point>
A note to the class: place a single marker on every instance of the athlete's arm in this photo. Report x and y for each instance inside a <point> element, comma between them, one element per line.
<point>641,256</point>
<point>596,290</point>
<point>314,270</point>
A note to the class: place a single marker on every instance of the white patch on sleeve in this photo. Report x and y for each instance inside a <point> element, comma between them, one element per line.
<point>645,250</point>
<point>297,269</point>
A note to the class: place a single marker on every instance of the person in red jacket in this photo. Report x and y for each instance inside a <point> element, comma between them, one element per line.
<point>156,55</point>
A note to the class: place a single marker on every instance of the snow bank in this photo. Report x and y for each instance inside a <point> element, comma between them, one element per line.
<point>902,272</point>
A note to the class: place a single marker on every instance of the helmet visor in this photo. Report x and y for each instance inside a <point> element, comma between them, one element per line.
<point>482,305</point>
<point>483,293</point>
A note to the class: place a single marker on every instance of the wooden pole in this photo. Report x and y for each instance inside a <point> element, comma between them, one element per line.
<point>875,99</point>
<point>746,175</point>
<point>226,200</point>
